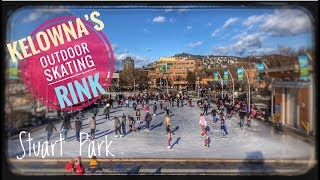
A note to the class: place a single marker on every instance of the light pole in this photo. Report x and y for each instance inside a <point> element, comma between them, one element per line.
<point>221,84</point>
<point>248,97</point>
<point>134,85</point>
<point>166,83</point>
<point>198,86</point>
<point>232,86</point>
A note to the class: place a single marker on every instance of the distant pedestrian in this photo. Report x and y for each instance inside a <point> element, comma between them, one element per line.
<point>223,129</point>
<point>127,103</point>
<point>132,124</point>
<point>107,112</point>
<point>94,111</point>
<point>161,105</point>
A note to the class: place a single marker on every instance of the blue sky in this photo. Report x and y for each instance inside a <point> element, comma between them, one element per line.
<point>147,34</point>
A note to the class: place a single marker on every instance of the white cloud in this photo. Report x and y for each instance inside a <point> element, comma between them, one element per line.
<point>146,30</point>
<point>188,29</point>
<point>282,22</point>
<point>192,45</point>
<point>250,21</point>
<point>229,22</point>
<point>44,13</point>
<point>214,33</point>
<point>159,19</point>
<point>286,22</point>
<point>250,43</point>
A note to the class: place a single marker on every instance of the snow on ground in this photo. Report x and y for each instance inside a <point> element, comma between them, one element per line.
<point>260,140</point>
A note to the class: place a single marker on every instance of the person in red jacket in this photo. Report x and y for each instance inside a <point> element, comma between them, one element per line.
<point>75,166</point>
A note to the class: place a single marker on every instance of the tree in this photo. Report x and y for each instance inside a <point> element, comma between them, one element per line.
<point>191,78</point>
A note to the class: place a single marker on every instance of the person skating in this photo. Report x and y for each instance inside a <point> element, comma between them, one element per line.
<point>203,124</point>
<point>117,126</point>
<point>154,109</point>
<point>132,124</point>
<point>94,111</point>
<point>49,130</point>
<point>92,124</point>
<point>161,105</point>
<point>78,127</point>
<point>242,114</point>
<point>167,122</point>
<point>148,119</point>
<point>169,138</point>
<point>123,124</point>
<point>66,126</point>
<point>223,129</point>
<point>206,139</point>
<point>107,112</point>
<point>214,115</point>
<point>138,115</point>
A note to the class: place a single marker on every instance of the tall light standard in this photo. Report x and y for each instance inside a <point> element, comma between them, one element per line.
<point>166,83</point>
<point>232,86</point>
<point>221,84</point>
<point>248,97</point>
<point>198,86</point>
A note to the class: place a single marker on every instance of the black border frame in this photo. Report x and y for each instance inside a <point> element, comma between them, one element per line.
<point>8,7</point>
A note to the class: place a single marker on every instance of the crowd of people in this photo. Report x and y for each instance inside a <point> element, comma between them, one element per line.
<point>222,111</point>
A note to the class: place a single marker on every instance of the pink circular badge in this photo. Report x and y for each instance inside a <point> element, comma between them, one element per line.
<point>71,64</point>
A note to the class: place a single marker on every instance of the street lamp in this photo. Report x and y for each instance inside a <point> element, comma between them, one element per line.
<point>249,88</point>
<point>198,86</point>
<point>232,86</point>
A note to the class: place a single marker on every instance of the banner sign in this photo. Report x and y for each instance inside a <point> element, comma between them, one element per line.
<point>216,78</point>
<point>225,75</point>
<point>260,67</point>
<point>240,74</point>
<point>304,72</point>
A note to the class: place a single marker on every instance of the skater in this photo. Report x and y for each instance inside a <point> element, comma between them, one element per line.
<point>80,115</point>
<point>167,123</point>
<point>78,127</point>
<point>169,138</point>
<point>127,103</point>
<point>123,124</point>
<point>242,114</point>
<point>95,111</point>
<point>66,126</point>
<point>107,112</point>
<point>134,105</point>
<point>190,102</point>
<point>249,117</point>
<point>117,126</point>
<point>94,165</point>
<point>161,105</point>
<point>205,109</point>
<point>203,124</point>
<point>154,109</point>
<point>92,124</point>
<point>132,124</point>
<point>138,115</point>
<point>214,115</point>
<point>229,112</point>
<point>49,130</point>
<point>206,140</point>
<point>148,119</point>
<point>142,104</point>
<point>223,129</point>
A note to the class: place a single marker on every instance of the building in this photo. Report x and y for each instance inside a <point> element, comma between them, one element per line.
<point>128,63</point>
<point>172,71</point>
<point>292,100</point>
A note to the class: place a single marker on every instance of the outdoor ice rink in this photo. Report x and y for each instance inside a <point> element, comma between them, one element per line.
<point>257,142</point>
